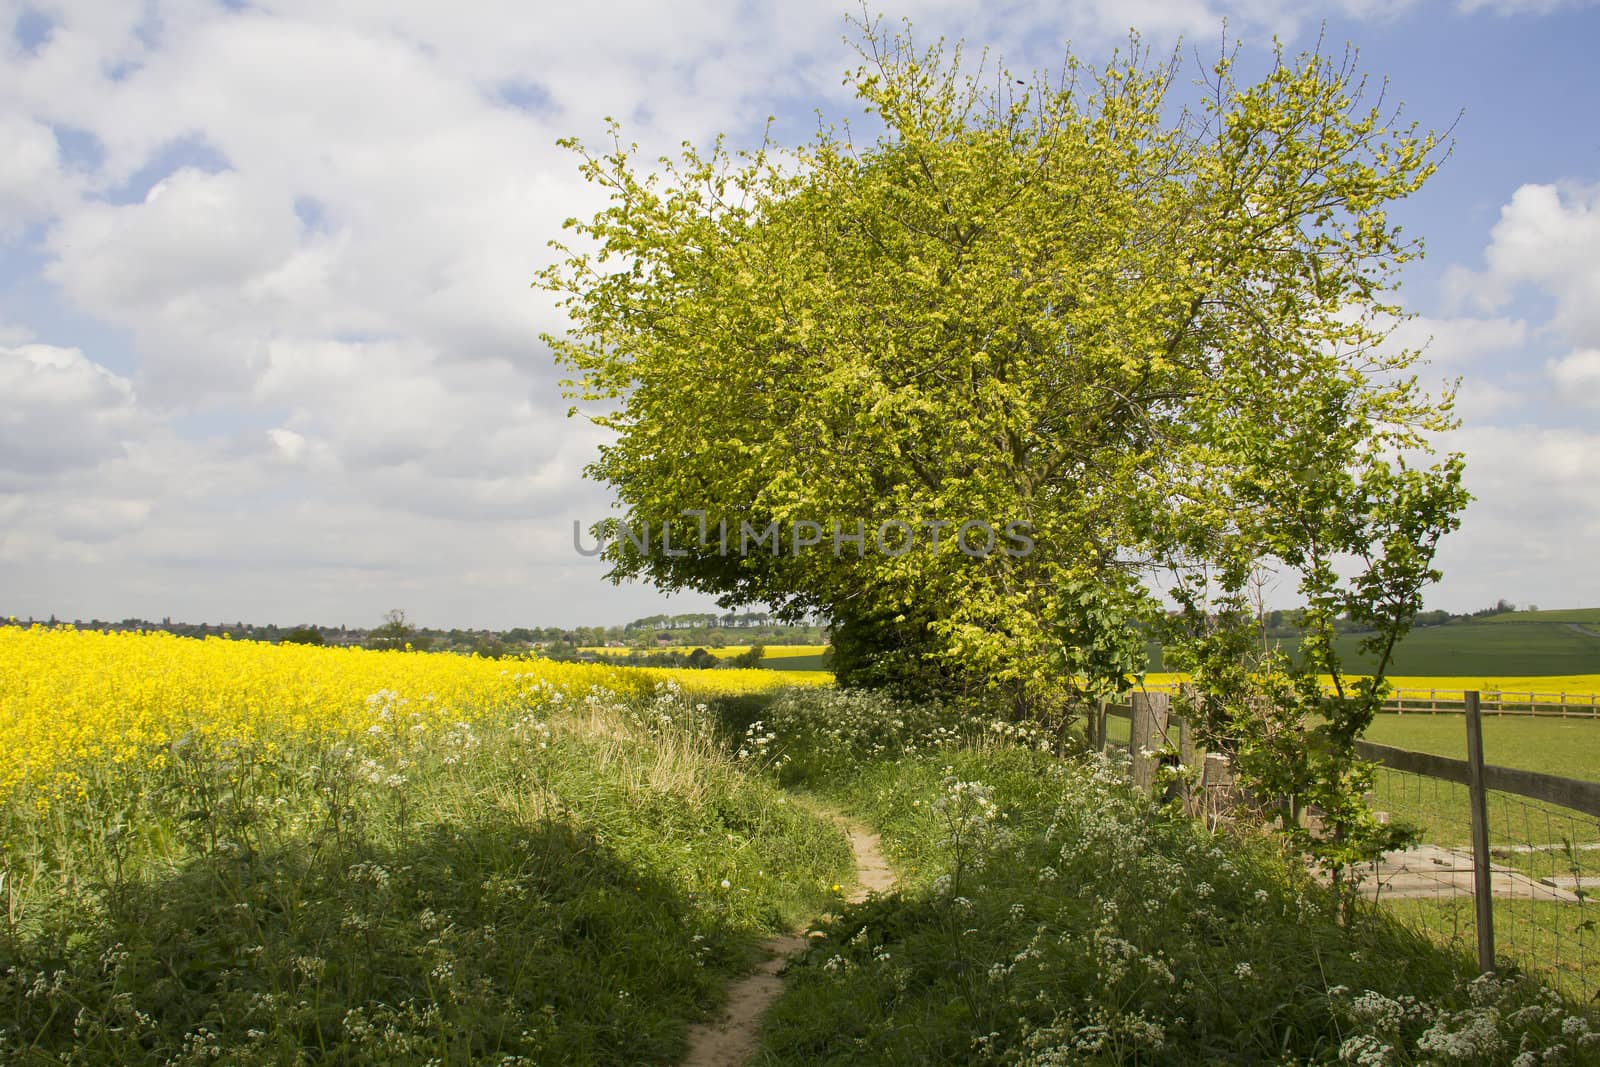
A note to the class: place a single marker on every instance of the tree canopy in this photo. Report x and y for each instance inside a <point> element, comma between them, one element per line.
<point>1146,351</point>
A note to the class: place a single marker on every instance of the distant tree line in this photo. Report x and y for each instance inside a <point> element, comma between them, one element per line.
<point>707,620</point>
<point>698,658</point>
<point>663,643</point>
<point>1290,623</point>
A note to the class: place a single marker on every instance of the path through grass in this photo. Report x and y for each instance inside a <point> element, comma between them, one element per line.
<point>1046,915</point>
<point>734,1037</point>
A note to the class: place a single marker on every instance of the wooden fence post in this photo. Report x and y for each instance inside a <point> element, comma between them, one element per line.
<point>1482,887</point>
<point>1147,730</point>
<point>1100,732</point>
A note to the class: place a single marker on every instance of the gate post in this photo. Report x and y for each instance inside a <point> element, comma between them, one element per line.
<point>1482,883</point>
<point>1147,730</point>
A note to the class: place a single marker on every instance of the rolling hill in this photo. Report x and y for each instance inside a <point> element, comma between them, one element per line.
<point>1514,644</point>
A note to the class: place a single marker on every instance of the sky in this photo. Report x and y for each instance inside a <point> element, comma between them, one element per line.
<point>268,346</point>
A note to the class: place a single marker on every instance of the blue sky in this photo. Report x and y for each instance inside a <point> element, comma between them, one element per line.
<point>268,350</point>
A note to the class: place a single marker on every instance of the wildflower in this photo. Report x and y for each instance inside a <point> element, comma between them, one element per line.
<point>1365,1050</point>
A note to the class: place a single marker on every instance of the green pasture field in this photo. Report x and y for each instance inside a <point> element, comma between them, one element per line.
<point>1517,644</point>
<point>1566,747</point>
<point>1486,648</point>
<point>1590,616</point>
<point>817,661</point>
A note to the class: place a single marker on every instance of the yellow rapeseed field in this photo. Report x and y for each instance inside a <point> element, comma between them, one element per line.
<point>72,698</point>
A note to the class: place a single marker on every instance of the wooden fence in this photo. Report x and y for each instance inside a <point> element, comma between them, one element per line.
<point>1490,702</point>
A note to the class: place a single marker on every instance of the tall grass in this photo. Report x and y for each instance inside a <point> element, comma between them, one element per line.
<point>571,881</point>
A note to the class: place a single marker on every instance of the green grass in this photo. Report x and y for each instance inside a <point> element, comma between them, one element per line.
<point>1047,915</point>
<point>1556,943</point>
<point>1566,747</point>
<point>1487,649</point>
<point>1520,644</point>
<point>820,661</point>
<point>578,885</point>
<point>1441,812</point>
<point>574,887</point>
<point>1590,616</point>
<point>1143,921</point>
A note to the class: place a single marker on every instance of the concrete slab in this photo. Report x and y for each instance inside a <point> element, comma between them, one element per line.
<point>1573,881</point>
<point>1512,850</point>
<point>1433,872</point>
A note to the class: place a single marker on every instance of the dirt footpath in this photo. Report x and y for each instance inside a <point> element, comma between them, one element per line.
<point>731,1041</point>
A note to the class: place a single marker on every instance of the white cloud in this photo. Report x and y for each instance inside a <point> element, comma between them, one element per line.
<point>1522,7</point>
<point>1545,237</point>
<point>1481,401</point>
<point>1452,343</point>
<point>62,411</point>
<point>1577,376</point>
<point>292,447</point>
<point>33,185</point>
<point>1530,532</point>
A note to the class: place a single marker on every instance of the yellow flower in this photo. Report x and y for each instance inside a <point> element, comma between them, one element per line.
<point>74,702</point>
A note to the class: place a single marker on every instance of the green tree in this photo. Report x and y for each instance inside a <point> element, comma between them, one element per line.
<point>304,635</point>
<point>750,657</point>
<point>1161,345</point>
<point>394,633</point>
<point>488,646</point>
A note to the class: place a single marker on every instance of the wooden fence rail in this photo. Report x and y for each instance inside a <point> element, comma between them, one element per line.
<point>1493,702</point>
<point>1552,789</point>
<point>1490,702</point>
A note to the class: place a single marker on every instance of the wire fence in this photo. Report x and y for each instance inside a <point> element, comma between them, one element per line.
<point>1544,868</point>
<point>1532,854</point>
